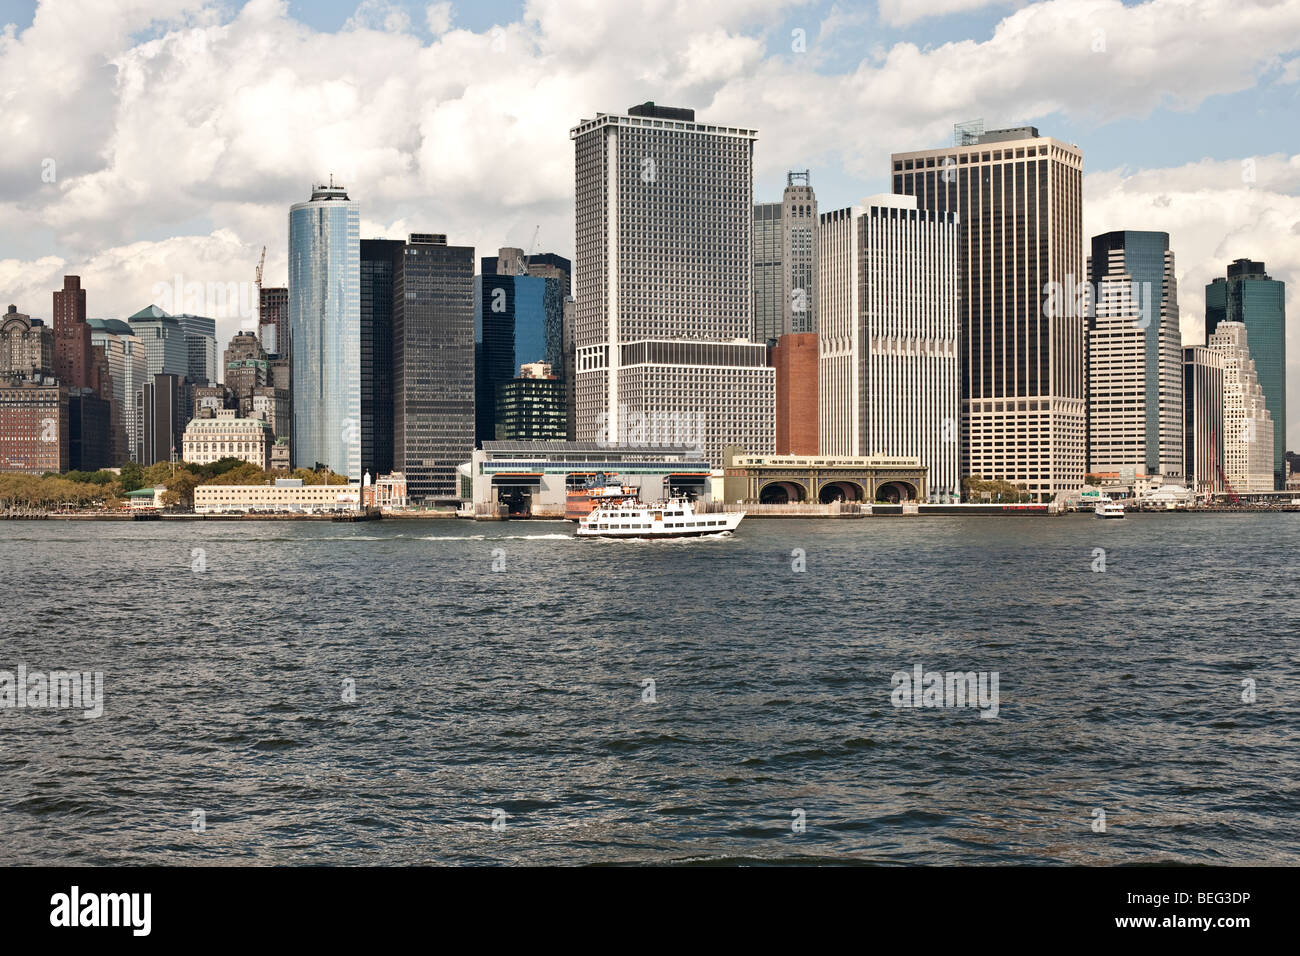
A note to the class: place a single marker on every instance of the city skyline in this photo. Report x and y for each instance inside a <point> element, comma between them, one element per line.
<point>1231,197</point>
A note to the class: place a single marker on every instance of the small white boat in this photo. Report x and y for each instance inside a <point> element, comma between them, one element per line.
<point>1108,508</point>
<point>674,518</point>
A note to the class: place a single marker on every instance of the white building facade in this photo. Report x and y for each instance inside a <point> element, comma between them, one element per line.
<point>225,435</point>
<point>1247,423</point>
<point>1135,381</point>
<point>663,279</point>
<point>888,372</point>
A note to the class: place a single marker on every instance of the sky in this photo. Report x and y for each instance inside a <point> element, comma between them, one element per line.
<point>155,144</point>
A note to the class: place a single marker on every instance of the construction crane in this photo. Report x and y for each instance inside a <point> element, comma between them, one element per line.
<point>532,247</point>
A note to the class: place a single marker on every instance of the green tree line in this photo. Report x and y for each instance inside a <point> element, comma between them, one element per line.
<point>104,489</point>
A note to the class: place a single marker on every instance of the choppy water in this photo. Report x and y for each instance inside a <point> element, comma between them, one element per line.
<point>522,690</point>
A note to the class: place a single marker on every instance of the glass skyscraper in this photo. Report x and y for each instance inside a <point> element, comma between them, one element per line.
<point>325,330</point>
<point>1258,302</point>
<point>517,319</point>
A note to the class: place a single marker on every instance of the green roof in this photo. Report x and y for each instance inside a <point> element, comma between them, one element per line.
<point>140,493</point>
<point>151,312</point>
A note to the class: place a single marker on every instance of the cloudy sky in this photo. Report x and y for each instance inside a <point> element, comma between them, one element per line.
<point>150,139</point>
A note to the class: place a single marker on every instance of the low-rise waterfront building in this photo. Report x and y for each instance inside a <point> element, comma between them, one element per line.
<point>534,478</point>
<point>824,479</point>
<point>387,492</point>
<point>287,495</point>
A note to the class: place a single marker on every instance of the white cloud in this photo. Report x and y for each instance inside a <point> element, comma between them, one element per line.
<point>903,12</point>
<point>438,16</point>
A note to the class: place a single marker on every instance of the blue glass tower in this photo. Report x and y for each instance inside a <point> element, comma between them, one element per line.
<point>1250,297</point>
<point>325,330</point>
<point>517,319</point>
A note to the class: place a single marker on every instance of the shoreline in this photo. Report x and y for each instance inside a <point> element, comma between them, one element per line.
<point>883,511</point>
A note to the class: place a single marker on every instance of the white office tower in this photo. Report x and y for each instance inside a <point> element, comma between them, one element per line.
<point>888,372</point>
<point>663,272</point>
<point>1247,423</point>
<point>1135,356</point>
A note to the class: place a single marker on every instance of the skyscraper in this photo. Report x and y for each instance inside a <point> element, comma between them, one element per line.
<point>433,365</point>
<point>128,368</point>
<point>1203,419</point>
<point>1247,422</point>
<point>325,330</point>
<point>380,260</point>
<point>1018,198</point>
<point>165,346</point>
<point>72,360</point>
<point>517,319</point>
<point>1250,297</point>
<point>785,261</point>
<point>1135,381</point>
<point>887,293</point>
<point>273,320</point>
<point>246,368</point>
<point>664,275</point>
<point>201,348</point>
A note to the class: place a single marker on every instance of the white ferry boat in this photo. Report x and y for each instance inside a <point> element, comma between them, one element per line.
<point>1108,508</point>
<point>675,518</point>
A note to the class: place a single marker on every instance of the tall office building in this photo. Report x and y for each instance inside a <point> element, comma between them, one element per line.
<point>166,347</point>
<point>1249,296</point>
<point>1247,422</point>
<point>664,277</point>
<point>433,365</point>
<point>246,368</point>
<point>273,320</point>
<point>1135,356</point>
<point>1203,420</point>
<point>510,261</point>
<point>517,319</point>
<point>72,358</point>
<point>380,260</point>
<point>162,412</point>
<point>570,367</point>
<point>325,330</point>
<point>785,261</point>
<point>1018,198</point>
<point>887,288</point>
<point>128,367</point>
<point>201,348</point>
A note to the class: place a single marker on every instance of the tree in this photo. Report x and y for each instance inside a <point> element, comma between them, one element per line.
<point>132,477</point>
<point>180,489</point>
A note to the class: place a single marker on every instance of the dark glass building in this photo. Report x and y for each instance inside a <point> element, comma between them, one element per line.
<point>517,319</point>
<point>1248,295</point>
<point>530,409</point>
<point>433,365</point>
<point>380,258</point>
